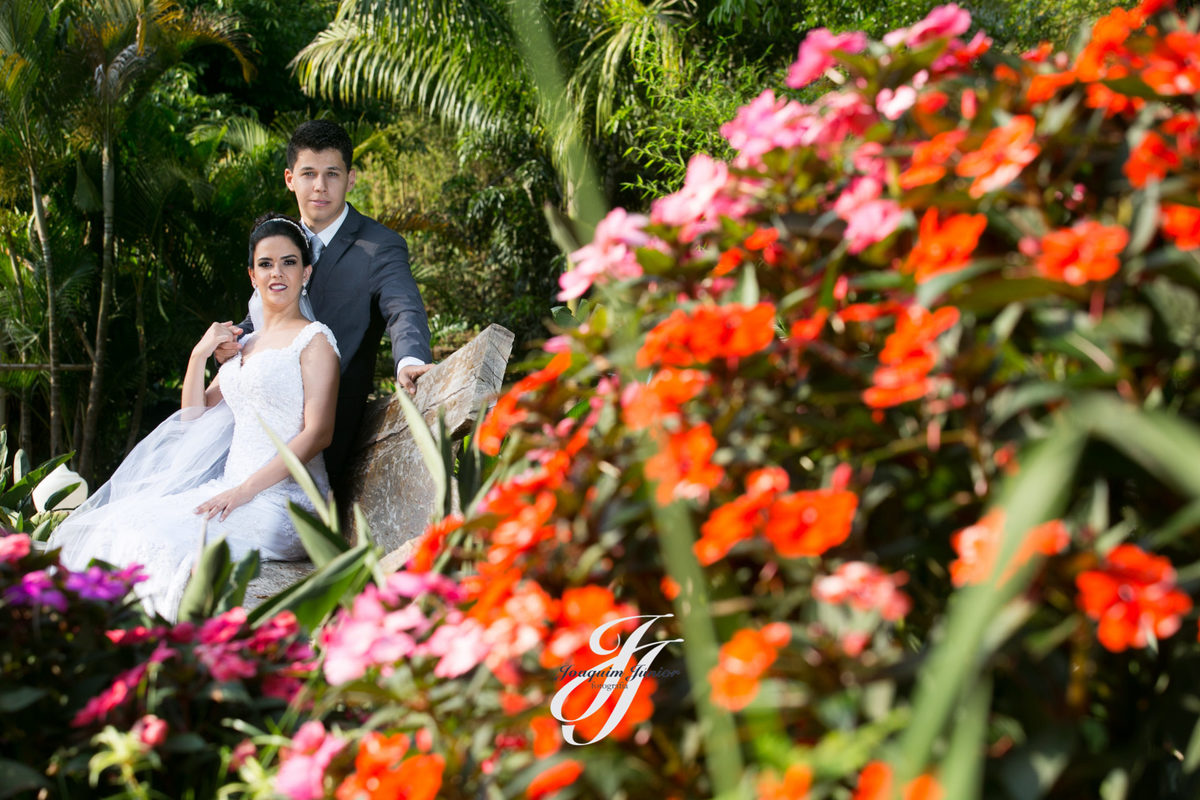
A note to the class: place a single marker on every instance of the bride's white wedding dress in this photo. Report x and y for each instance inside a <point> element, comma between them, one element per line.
<point>145,513</point>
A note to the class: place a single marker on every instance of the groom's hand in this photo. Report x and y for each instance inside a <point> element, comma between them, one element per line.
<point>407,376</point>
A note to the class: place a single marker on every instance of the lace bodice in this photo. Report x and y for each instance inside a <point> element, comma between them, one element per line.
<point>266,389</point>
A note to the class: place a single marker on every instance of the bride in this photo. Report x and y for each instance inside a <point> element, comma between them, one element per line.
<point>211,469</point>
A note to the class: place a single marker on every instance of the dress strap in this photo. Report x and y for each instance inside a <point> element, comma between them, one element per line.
<point>310,330</point>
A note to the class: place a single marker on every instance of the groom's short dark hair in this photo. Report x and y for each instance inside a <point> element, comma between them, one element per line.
<point>318,135</point>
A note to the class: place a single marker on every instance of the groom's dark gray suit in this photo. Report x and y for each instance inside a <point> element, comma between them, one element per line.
<point>360,286</point>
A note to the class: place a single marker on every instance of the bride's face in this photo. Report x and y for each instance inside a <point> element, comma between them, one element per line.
<point>278,272</point>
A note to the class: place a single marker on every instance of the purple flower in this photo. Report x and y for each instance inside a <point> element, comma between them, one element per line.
<point>37,588</point>
<point>101,585</point>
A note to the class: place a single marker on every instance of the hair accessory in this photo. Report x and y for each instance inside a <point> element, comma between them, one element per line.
<point>281,219</point>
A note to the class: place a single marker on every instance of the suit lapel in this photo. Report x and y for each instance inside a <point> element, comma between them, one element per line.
<point>323,270</point>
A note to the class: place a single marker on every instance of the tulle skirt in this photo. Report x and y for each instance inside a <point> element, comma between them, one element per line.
<point>145,514</point>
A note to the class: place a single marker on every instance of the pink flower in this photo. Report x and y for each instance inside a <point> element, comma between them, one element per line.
<point>816,54</point>
<point>224,663</point>
<point>701,200</point>
<point>150,731</point>
<point>14,547</point>
<point>765,124</point>
<point>302,769</point>
<point>275,630</point>
<point>942,22</point>
<point>415,584</point>
<point>96,709</point>
<point>865,587</point>
<point>224,627</point>
<point>460,647</point>
<point>369,636</point>
<point>860,192</point>
<point>610,257</point>
<point>872,222</point>
<point>893,104</point>
<point>282,687</point>
<point>243,751</point>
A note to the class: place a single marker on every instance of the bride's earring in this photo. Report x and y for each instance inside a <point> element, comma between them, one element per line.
<point>304,290</point>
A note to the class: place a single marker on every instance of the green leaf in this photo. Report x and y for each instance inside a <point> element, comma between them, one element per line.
<point>1030,770</point>
<point>426,444</point>
<point>320,542</point>
<point>62,494</point>
<point>747,290</point>
<point>447,447</point>
<point>16,778</point>
<point>21,697</point>
<point>212,570</point>
<point>301,474</point>
<point>245,571</point>
<point>18,494</point>
<point>1144,227</point>
<point>316,596</point>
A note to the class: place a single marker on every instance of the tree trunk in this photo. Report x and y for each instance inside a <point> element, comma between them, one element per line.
<point>135,419</point>
<point>39,215</point>
<point>25,434</point>
<point>91,421</point>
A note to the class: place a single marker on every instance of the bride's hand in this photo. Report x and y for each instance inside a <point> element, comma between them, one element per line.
<point>219,335</point>
<point>223,503</point>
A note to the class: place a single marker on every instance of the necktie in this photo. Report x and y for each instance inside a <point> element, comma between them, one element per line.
<point>317,246</point>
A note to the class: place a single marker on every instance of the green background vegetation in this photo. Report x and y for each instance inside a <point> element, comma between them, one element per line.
<point>152,132</point>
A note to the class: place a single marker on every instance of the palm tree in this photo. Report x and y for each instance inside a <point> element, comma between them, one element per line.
<point>128,44</point>
<point>491,64</point>
<point>30,35</point>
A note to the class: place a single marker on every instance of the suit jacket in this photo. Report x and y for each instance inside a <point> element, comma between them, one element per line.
<point>361,285</point>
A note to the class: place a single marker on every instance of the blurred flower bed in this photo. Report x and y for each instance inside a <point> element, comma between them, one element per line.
<point>884,429</point>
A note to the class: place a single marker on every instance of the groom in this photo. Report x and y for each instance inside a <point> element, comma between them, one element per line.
<point>361,282</point>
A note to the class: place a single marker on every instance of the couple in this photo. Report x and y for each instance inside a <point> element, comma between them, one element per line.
<point>212,464</point>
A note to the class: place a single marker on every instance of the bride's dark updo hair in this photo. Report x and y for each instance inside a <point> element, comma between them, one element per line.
<point>275,224</point>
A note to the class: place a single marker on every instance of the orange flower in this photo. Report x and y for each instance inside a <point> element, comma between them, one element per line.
<point>797,780</point>
<point>729,261</point>
<point>1172,68</point>
<point>809,523</point>
<point>1045,85</point>
<point>929,159</point>
<point>999,160</point>
<point>381,773</point>
<point>978,547</point>
<point>581,699</point>
<point>916,330</point>
<point>547,735</point>
<point>1132,596</point>
<point>551,779</point>
<point>741,518</point>
<point>1182,225</point>
<point>1087,251</point>
<point>581,611</point>
<point>644,405</point>
<point>431,543</point>
<point>506,413</point>
<point>1107,44</point>
<point>762,238</point>
<point>683,467</point>
<point>708,333</point>
<point>944,247</point>
<point>875,783</point>
<point>908,357</point>
<point>741,663</point>
<point>1150,160</point>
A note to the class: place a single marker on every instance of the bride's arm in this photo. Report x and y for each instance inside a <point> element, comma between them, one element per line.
<point>320,371</point>
<point>194,393</point>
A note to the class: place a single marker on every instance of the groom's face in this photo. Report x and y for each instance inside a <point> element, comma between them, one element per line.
<point>320,181</point>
